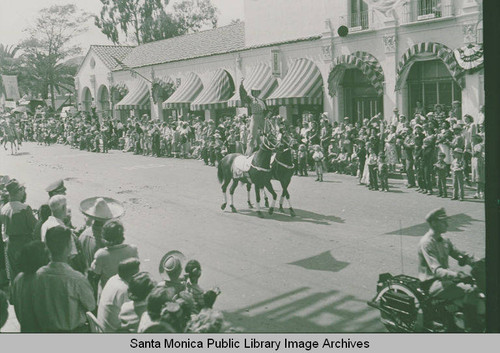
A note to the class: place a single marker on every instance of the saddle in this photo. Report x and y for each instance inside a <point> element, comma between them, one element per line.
<point>241,166</point>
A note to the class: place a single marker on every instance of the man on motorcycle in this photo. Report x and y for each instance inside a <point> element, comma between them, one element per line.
<point>433,254</point>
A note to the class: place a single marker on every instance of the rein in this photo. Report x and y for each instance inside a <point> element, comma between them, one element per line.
<point>283,164</point>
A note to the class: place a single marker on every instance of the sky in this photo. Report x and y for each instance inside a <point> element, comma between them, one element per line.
<point>16,15</point>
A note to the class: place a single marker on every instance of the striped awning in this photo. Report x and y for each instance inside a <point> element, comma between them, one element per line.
<point>365,62</point>
<point>261,79</point>
<point>437,50</point>
<point>302,84</point>
<point>136,98</point>
<point>216,94</point>
<point>187,92</point>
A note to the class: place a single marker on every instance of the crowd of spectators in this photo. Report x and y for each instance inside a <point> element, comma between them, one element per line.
<point>426,148</point>
<point>64,279</point>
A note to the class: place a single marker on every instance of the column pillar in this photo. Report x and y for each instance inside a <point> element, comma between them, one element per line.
<point>389,65</point>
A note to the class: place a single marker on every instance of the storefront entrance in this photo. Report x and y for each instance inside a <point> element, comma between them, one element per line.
<point>360,98</point>
<point>430,83</point>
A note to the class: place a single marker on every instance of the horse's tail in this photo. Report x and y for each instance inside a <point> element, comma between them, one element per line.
<point>220,173</point>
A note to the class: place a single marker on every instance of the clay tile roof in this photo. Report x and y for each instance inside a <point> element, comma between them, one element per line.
<point>107,52</point>
<point>214,41</point>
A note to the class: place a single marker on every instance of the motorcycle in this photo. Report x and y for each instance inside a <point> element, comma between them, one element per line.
<point>405,304</point>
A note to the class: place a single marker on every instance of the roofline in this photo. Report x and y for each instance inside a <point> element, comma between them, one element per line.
<point>100,45</point>
<point>259,46</point>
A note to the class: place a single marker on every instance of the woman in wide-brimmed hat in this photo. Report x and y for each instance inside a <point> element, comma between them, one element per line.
<point>98,210</point>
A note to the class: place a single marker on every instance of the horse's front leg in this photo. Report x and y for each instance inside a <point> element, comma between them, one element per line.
<point>249,187</point>
<point>257,199</point>
<point>269,187</point>
<point>231,192</point>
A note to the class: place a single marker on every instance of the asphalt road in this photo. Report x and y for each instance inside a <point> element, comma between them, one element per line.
<point>311,273</point>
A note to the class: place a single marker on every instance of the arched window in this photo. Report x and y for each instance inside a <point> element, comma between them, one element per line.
<point>430,83</point>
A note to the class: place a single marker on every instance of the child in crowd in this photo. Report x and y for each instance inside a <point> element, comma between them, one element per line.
<point>383,172</point>
<point>318,162</point>
<point>302,156</point>
<point>441,169</point>
<point>457,169</point>
<point>372,169</point>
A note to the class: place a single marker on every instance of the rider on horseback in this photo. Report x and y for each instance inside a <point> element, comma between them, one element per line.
<point>257,112</point>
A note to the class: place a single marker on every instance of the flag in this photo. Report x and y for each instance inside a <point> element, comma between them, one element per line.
<point>9,87</point>
<point>384,6</point>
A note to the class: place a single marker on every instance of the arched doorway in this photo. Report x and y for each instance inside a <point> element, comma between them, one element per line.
<point>360,99</point>
<point>430,83</point>
<point>103,101</point>
<point>358,82</point>
<point>429,73</point>
<point>86,99</point>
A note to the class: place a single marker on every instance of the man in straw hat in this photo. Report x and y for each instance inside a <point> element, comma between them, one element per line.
<point>170,268</point>
<point>433,254</point>
<point>18,223</point>
<point>99,210</point>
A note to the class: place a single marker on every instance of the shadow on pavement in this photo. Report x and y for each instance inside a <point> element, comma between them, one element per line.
<point>20,154</point>
<point>303,311</point>
<point>455,224</point>
<point>301,216</point>
<point>322,262</point>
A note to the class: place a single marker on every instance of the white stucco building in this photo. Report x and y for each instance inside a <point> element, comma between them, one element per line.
<point>396,52</point>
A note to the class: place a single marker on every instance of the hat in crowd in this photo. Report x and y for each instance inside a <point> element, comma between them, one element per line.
<point>172,261</point>
<point>13,186</point>
<point>102,208</point>
<point>56,187</point>
<point>458,150</point>
<point>395,109</point>
<point>430,114</point>
<point>436,214</point>
<point>457,127</point>
<point>417,126</point>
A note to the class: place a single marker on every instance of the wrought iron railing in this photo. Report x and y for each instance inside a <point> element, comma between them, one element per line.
<point>359,20</point>
<point>420,10</point>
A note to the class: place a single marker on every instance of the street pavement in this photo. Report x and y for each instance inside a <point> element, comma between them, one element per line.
<point>311,273</point>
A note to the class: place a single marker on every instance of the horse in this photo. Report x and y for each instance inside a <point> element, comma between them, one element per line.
<point>258,173</point>
<point>10,135</point>
<point>282,170</point>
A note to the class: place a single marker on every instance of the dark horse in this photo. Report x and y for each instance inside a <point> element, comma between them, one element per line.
<point>282,170</point>
<point>259,173</point>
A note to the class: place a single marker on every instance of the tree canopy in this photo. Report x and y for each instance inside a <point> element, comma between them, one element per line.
<point>143,21</point>
<point>47,47</point>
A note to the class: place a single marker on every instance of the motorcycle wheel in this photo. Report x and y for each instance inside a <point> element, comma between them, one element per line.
<point>395,323</point>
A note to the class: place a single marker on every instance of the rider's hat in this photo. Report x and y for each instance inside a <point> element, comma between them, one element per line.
<point>437,214</point>
<point>56,187</point>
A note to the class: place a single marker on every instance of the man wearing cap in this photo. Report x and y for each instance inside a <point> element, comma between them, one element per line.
<point>433,255</point>
<point>18,224</point>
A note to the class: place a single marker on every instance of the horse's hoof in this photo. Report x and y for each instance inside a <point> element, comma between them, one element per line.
<point>266,202</point>
<point>233,209</point>
<point>260,214</point>
<point>292,212</point>
<point>282,210</point>
<point>223,206</point>
<point>271,210</point>
<point>250,204</point>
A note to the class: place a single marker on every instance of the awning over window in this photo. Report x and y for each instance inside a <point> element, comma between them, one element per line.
<point>302,84</point>
<point>136,98</point>
<point>361,60</point>
<point>217,93</point>
<point>260,78</point>
<point>424,51</point>
<point>187,92</point>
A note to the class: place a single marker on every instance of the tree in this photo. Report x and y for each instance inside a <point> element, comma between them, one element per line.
<point>9,64</point>
<point>49,44</point>
<point>144,21</point>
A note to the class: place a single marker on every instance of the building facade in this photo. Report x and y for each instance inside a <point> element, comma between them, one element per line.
<point>345,57</point>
